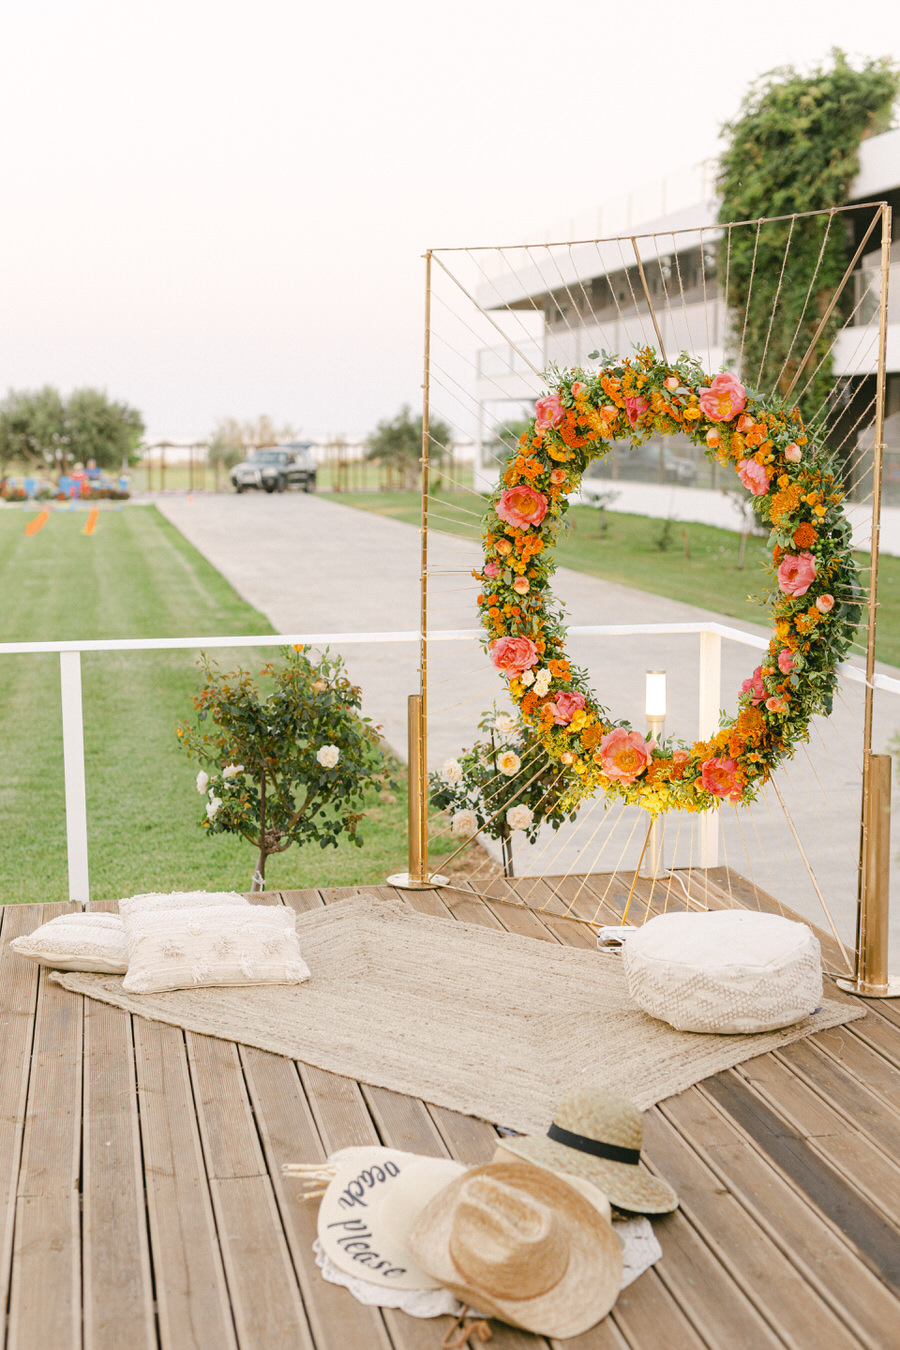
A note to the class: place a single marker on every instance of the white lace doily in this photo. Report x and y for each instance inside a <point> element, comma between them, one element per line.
<point>640,1249</point>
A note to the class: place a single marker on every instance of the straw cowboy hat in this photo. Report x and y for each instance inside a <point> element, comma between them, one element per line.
<point>519,1243</point>
<point>598,1137</point>
<point>371,1198</point>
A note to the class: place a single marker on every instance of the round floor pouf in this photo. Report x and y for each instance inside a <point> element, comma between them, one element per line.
<point>725,971</point>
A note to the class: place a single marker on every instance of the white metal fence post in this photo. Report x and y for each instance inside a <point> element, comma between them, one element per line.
<point>73,765</point>
<point>710,703</point>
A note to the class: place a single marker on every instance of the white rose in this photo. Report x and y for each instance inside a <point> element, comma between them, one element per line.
<point>328,756</point>
<point>464,823</point>
<point>504,725</point>
<point>527,678</point>
<point>509,763</point>
<point>232,770</point>
<point>202,781</point>
<point>212,807</point>
<point>519,817</point>
<point>542,683</point>
<point>452,771</point>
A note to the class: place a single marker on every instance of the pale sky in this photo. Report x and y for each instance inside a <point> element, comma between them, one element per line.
<point>218,208</point>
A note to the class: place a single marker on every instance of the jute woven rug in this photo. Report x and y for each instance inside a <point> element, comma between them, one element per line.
<point>485,1022</point>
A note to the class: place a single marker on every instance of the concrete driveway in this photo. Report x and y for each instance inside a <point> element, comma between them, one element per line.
<point>314,566</point>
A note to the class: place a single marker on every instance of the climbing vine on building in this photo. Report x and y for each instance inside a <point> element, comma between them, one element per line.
<point>794,147</point>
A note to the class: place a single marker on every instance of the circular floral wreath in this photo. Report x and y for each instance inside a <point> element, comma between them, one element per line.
<point>814,601</point>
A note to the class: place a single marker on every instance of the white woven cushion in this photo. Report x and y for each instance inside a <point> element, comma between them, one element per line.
<point>725,971</point>
<point>212,945</point>
<point>78,942</point>
<point>179,900</point>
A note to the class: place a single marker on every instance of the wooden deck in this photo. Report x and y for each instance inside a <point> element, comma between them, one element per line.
<point>142,1202</point>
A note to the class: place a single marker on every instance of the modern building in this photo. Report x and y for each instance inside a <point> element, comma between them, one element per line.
<point>559,302</point>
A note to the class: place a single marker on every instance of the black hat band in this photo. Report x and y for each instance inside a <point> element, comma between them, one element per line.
<point>612,1152</point>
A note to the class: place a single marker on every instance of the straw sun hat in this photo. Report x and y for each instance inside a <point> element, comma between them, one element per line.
<point>598,1137</point>
<point>521,1244</point>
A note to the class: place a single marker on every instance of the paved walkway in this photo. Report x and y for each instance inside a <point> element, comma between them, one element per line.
<point>314,566</point>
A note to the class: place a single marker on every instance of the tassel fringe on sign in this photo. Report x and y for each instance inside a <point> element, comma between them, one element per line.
<point>315,1177</point>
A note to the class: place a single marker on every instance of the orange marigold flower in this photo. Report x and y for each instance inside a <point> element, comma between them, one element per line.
<point>805,535</point>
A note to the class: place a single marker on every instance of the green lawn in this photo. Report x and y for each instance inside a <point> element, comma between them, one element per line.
<point>697,564</point>
<point>136,576</point>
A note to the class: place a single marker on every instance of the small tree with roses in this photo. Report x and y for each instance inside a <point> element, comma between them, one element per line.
<point>506,784</point>
<point>292,767</point>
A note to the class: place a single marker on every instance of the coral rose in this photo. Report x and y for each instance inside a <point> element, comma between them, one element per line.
<point>754,686</point>
<point>548,411</point>
<point>558,476</point>
<point>796,573</point>
<point>565,705</point>
<point>521,585</point>
<point>624,755</point>
<point>713,438</point>
<point>793,453</point>
<point>776,705</point>
<point>825,603</point>
<point>724,399</point>
<point>514,655</point>
<point>635,408</point>
<point>491,570</point>
<point>522,506</point>
<point>577,389</point>
<point>671,382</point>
<point>786,661</point>
<point>720,777</point>
<point>504,547</point>
<point>753,476</point>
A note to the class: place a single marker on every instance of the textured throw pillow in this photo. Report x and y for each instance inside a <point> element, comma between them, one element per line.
<point>179,900</point>
<point>212,945</point>
<point>93,942</point>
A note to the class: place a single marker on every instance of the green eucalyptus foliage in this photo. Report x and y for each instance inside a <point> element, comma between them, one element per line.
<point>292,767</point>
<point>793,147</point>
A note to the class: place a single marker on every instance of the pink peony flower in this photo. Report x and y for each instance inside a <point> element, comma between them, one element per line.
<point>491,570</point>
<point>753,476</point>
<point>786,661</point>
<point>513,655</point>
<point>721,777</point>
<point>824,603</point>
<point>796,573</point>
<point>635,408</point>
<point>724,398</point>
<point>548,411</point>
<point>754,686</point>
<point>624,755</point>
<point>565,705</point>
<point>521,585</point>
<point>793,453</point>
<point>522,506</point>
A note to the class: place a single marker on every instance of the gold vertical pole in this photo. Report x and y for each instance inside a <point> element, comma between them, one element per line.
<point>874,866</point>
<point>872,976</point>
<point>654,867</point>
<point>418,875</point>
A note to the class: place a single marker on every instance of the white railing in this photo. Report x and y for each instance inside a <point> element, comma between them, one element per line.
<point>709,686</point>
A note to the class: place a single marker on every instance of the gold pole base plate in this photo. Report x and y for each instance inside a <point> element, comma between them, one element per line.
<point>405,882</point>
<point>863,990</point>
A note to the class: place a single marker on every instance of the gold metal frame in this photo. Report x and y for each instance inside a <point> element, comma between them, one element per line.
<point>871,977</point>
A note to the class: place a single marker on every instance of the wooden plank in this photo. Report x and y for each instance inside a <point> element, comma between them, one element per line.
<point>822,1256</point>
<point>192,1297</point>
<point>118,1290</point>
<point>19,985</point>
<point>748,1256</point>
<point>45,1292</point>
<point>288,1134</point>
<point>265,1298</point>
<point>874,1239</point>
